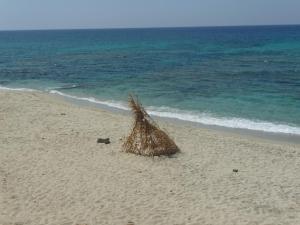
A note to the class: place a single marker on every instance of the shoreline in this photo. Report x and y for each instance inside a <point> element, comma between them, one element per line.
<point>272,136</point>
<point>121,107</point>
<point>53,171</point>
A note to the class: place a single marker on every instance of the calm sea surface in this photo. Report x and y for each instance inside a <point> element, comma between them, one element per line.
<point>245,77</point>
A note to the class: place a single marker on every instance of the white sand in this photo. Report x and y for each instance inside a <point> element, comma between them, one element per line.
<point>52,171</point>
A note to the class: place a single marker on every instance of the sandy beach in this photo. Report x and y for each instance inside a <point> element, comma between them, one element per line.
<point>53,171</point>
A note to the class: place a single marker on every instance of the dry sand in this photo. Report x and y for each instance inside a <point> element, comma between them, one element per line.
<point>52,171</point>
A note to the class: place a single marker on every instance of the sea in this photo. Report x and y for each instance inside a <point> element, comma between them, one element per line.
<point>245,77</point>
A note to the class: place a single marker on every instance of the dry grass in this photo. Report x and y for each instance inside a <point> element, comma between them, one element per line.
<point>146,138</point>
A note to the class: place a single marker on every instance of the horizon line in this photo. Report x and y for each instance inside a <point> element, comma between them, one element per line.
<point>154,27</point>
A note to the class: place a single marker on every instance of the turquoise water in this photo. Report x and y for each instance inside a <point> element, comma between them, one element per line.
<point>244,77</point>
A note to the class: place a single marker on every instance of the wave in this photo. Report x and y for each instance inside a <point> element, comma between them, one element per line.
<point>203,118</point>
<point>16,89</point>
<point>64,87</point>
<point>231,122</point>
<point>113,104</point>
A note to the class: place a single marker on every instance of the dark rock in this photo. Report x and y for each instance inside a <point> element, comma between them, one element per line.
<point>103,140</point>
<point>63,114</point>
<point>235,170</point>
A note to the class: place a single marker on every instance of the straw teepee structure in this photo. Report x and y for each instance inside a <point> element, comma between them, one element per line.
<point>146,138</point>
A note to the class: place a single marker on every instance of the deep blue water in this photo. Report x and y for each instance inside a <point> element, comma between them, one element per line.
<point>247,77</point>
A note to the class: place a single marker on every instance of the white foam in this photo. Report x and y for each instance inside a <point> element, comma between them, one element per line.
<point>207,119</point>
<point>202,118</point>
<point>16,89</point>
<point>113,104</point>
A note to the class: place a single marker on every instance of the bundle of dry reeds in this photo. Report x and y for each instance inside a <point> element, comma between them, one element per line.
<point>146,138</point>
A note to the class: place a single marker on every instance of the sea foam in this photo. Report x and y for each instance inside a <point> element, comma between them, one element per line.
<point>16,89</point>
<point>113,104</point>
<point>202,118</point>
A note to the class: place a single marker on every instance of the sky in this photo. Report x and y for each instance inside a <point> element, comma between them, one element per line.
<point>72,14</point>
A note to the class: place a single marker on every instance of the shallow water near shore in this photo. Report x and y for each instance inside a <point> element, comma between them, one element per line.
<point>235,77</point>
